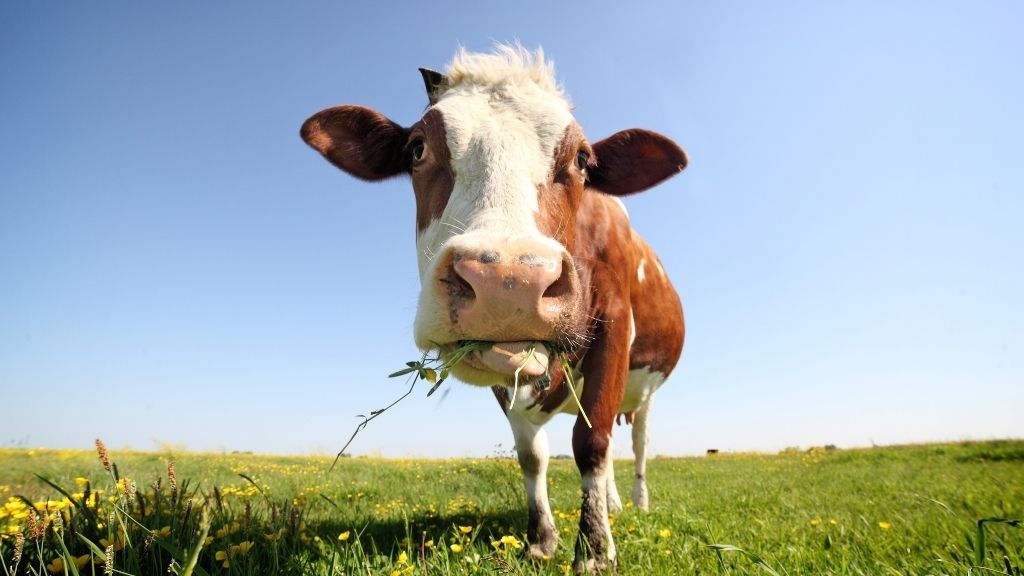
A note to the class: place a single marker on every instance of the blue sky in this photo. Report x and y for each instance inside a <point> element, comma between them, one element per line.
<point>178,268</point>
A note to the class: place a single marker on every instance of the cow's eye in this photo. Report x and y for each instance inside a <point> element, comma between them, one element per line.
<point>417,149</point>
<point>582,158</point>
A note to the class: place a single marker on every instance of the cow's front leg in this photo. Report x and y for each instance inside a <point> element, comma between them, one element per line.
<point>595,548</point>
<point>614,502</point>
<point>532,449</point>
<point>604,379</point>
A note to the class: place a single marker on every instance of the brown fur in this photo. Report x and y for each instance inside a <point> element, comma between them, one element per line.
<point>577,210</point>
<point>432,177</point>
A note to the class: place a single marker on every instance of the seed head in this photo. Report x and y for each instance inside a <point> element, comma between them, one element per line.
<point>36,529</point>
<point>172,478</point>
<point>19,545</point>
<point>104,456</point>
<point>109,566</point>
<point>58,523</point>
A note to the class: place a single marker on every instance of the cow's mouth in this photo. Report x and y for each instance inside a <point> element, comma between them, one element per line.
<point>526,358</point>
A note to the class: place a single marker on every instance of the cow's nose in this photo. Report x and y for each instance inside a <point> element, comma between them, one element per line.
<point>518,284</point>
<point>522,280</point>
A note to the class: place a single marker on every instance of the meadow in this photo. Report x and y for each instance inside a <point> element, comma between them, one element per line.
<point>928,509</point>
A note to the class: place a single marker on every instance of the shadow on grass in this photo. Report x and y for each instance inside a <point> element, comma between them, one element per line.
<point>384,536</point>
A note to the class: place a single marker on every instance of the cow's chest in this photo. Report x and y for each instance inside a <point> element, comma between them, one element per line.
<point>640,384</point>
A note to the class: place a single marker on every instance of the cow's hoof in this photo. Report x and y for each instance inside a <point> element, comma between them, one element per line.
<point>593,566</point>
<point>539,553</point>
<point>641,501</point>
<point>614,502</point>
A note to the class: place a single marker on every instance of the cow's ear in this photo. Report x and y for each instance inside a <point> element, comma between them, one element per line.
<point>634,160</point>
<point>358,140</point>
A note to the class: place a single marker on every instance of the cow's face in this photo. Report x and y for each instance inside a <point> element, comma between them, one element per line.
<point>499,167</point>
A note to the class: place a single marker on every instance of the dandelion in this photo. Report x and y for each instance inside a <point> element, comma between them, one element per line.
<point>223,557</point>
<point>665,533</point>
<point>402,558</point>
<point>456,548</point>
<point>344,536</point>
<point>884,525</point>
<point>114,545</point>
<point>243,548</point>
<point>816,522</point>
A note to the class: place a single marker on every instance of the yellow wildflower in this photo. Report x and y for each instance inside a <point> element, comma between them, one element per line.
<point>456,548</point>
<point>80,481</point>
<point>510,541</point>
<point>116,543</point>
<point>816,522</point>
<point>465,529</point>
<point>344,535</point>
<point>163,532</point>
<point>884,525</point>
<point>429,543</point>
<point>223,557</point>
<point>402,558</point>
<point>665,533</point>
<point>242,548</point>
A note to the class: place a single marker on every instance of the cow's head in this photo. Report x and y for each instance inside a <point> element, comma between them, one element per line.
<point>499,167</point>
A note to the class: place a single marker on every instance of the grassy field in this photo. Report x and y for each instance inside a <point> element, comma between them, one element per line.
<point>893,510</point>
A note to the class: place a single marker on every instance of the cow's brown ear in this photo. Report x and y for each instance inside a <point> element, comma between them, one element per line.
<point>634,160</point>
<point>358,140</point>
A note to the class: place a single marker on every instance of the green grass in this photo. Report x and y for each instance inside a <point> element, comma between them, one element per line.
<point>893,510</point>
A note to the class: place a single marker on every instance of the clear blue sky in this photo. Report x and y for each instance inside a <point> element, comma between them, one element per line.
<point>177,267</point>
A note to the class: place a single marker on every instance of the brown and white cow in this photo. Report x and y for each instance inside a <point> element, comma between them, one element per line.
<point>523,243</point>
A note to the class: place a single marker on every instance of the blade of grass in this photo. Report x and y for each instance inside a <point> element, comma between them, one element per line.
<point>515,390</point>
<point>569,382</point>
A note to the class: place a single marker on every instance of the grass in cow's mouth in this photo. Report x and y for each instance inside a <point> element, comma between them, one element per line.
<point>436,368</point>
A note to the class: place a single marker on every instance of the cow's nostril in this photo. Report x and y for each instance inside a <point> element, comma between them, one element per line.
<point>489,257</point>
<point>561,286</point>
<point>456,286</point>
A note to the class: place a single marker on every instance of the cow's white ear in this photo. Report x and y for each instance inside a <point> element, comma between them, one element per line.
<point>634,160</point>
<point>360,141</point>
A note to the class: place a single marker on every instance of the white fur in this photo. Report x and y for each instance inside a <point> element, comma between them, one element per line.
<point>640,385</point>
<point>532,442</point>
<point>641,437</point>
<point>640,272</point>
<point>504,115</point>
<point>614,502</point>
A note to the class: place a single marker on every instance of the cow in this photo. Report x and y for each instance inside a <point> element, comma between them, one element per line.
<point>524,245</point>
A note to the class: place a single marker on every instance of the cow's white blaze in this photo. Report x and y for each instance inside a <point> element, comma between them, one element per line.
<point>504,116</point>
